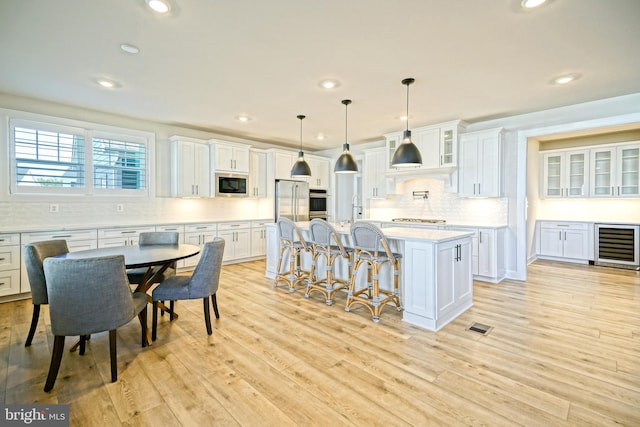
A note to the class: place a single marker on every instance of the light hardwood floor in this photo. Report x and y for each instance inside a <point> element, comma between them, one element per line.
<point>565,350</point>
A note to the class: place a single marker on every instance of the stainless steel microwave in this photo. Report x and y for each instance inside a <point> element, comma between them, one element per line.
<point>231,185</point>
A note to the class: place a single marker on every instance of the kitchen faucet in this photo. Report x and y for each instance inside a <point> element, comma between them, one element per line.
<point>355,197</point>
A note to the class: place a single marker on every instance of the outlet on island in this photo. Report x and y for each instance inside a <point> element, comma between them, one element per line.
<point>119,207</point>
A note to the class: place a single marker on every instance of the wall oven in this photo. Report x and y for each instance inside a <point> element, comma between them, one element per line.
<point>617,245</point>
<point>230,185</point>
<point>318,204</point>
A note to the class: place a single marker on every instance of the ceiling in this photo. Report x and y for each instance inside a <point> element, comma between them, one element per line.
<point>206,62</point>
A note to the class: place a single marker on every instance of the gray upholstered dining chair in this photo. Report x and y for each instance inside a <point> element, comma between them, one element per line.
<point>136,275</point>
<point>34,255</point>
<point>203,283</point>
<point>87,296</point>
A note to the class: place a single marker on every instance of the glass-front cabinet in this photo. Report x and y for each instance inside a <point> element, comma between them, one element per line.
<point>616,171</point>
<point>565,174</point>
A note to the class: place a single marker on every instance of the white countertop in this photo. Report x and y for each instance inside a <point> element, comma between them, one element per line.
<point>404,233</point>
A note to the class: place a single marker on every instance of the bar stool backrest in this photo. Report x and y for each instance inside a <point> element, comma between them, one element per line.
<point>368,237</point>
<point>290,232</point>
<point>323,234</point>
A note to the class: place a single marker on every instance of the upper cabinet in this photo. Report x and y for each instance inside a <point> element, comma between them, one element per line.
<point>480,163</point>
<point>615,171</point>
<point>283,162</point>
<point>319,172</point>
<point>229,157</point>
<point>189,167</point>
<point>375,181</point>
<point>257,173</point>
<point>565,173</point>
<point>438,145</point>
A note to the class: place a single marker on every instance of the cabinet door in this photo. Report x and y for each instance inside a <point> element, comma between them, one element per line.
<point>469,164</point>
<point>258,242</point>
<point>223,158</point>
<point>575,244</point>
<point>283,163</point>
<point>628,171</point>
<point>183,170</point>
<point>241,159</point>
<point>200,167</point>
<point>258,174</point>
<point>552,174</point>
<point>446,259</point>
<point>319,173</point>
<point>486,257</point>
<point>576,178</point>
<point>462,280</point>
<point>448,147</point>
<point>551,243</point>
<point>603,164</point>
<point>428,142</point>
<point>489,169</point>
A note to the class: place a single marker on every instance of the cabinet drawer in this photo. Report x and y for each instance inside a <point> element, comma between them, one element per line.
<point>9,239</point>
<point>199,228</point>
<point>565,225</point>
<point>82,245</point>
<point>106,233</point>
<point>9,282</point>
<point>9,257</point>
<point>89,234</point>
<point>260,224</point>
<point>176,228</point>
<point>233,225</point>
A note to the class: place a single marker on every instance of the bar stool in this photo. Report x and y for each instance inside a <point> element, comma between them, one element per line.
<point>371,249</point>
<point>325,245</point>
<point>292,241</point>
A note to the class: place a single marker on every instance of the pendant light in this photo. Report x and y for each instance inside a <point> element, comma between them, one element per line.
<point>300,168</point>
<point>407,153</point>
<point>345,163</point>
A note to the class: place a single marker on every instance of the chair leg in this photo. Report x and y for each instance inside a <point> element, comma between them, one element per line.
<point>113,355</point>
<point>171,307</point>
<point>83,345</point>
<point>34,324</point>
<point>214,301</point>
<point>56,357</point>
<point>143,321</point>
<point>207,316</point>
<point>154,322</point>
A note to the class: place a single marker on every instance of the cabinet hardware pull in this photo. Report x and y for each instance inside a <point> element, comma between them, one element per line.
<point>2,259</point>
<point>559,235</point>
<point>1,240</point>
<point>61,236</point>
<point>480,235</point>
<point>2,283</point>
<point>479,192</point>
<point>127,232</point>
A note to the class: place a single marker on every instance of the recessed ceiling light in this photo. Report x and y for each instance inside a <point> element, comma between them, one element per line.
<point>160,6</point>
<point>563,80</point>
<point>320,137</point>
<point>129,48</point>
<point>530,4</point>
<point>403,118</point>
<point>243,118</point>
<point>106,83</point>
<point>329,84</point>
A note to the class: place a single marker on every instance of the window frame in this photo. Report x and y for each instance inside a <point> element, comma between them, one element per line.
<point>88,131</point>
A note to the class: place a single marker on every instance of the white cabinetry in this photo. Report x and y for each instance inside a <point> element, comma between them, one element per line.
<point>198,234</point>
<point>615,171</point>
<point>480,163</point>
<point>189,167</point>
<point>229,157</point>
<point>488,253</point>
<point>178,228</point>
<point>108,237</point>
<point>257,173</point>
<point>77,240</point>
<point>259,238</point>
<point>443,271</point>
<point>237,236</point>
<point>282,163</point>
<point>9,264</point>
<point>375,181</point>
<point>568,240</point>
<point>319,172</point>
<point>565,174</point>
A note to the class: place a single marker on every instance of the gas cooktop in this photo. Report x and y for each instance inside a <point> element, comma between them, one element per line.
<point>420,220</point>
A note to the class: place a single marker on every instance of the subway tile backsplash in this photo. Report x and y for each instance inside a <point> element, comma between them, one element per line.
<point>440,205</point>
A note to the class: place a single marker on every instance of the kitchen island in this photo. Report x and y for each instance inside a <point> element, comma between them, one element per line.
<point>436,283</point>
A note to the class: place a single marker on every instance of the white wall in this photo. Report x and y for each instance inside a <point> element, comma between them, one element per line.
<point>33,213</point>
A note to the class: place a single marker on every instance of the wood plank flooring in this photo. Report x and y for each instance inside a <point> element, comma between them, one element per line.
<point>564,350</point>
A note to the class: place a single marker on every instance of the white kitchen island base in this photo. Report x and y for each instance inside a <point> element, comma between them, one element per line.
<point>436,284</point>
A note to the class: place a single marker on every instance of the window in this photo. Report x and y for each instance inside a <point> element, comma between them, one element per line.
<point>49,158</point>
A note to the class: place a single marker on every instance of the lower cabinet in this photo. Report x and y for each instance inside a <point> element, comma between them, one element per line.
<point>77,240</point>
<point>259,238</point>
<point>571,241</point>
<point>445,270</point>
<point>488,253</point>
<point>237,236</point>
<point>9,264</point>
<point>198,234</point>
<point>109,237</point>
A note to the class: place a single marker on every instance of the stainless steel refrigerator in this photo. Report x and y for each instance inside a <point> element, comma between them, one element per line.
<point>292,200</point>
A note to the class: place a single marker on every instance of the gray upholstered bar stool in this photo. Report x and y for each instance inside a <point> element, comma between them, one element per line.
<point>291,241</point>
<point>371,250</point>
<point>326,248</point>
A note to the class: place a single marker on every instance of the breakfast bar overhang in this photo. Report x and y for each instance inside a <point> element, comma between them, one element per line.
<point>436,284</point>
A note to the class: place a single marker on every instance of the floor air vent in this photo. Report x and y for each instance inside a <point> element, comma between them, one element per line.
<point>480,328</point>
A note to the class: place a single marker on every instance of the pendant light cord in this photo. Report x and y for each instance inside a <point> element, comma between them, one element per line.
<point>346,122</point>
<point>408,106</point>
